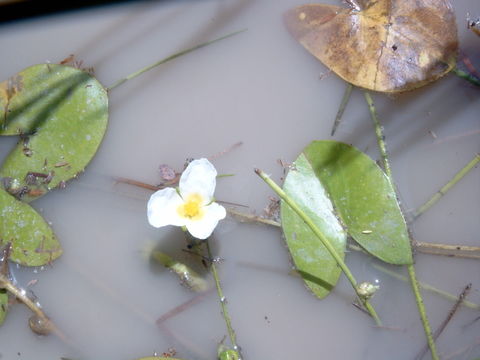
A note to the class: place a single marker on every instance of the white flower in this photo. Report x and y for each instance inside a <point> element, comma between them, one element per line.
<point>192,205</point>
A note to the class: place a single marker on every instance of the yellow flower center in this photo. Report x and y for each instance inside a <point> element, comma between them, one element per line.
<point>192,207</point>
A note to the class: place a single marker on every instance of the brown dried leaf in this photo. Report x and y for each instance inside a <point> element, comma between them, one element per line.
<point>383,45</point>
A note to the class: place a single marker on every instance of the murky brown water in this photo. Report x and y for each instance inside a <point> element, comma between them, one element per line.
<point>263,89</point>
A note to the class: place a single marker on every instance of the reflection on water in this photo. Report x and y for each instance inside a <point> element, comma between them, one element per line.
<point>261,88</point>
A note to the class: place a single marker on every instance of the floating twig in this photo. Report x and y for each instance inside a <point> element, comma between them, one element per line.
<point>463,350</point>
<point>140,184</point>
<point>253,218</point>
<point>182,307</point>
<point>226,151</point>
<point>469,65</point>
<point>459,251</point>
<point>445,322</point>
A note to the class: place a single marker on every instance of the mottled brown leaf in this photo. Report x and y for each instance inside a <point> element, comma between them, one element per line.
<point>382,45</point>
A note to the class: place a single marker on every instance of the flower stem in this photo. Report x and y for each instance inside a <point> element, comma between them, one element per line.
<point>293,205</point>
<point>411,269</point>
<point>221,297</point>
<point>168,58</point>
<point>341,108</point>
<point>446,187</point>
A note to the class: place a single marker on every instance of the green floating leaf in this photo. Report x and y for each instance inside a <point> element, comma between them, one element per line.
<point>364,199</point>
<point>61,115</point>
<point>313,261</point>
<point>33,241</point>
<point>3,305</point>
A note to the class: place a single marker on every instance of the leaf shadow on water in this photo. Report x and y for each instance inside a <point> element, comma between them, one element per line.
<point>64,111</point>
<point>401,135</point>
<point>63,88</point>
<point>104,39</point>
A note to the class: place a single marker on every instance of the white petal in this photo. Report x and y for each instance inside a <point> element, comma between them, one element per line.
<point>199,177</point>
<point>202,229</point>
<point>162,208</point>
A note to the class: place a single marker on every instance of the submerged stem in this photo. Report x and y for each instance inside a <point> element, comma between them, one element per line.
<point>21,296</point>
<point>411,268</point>
<point>40,323</point>
<point>341,108</point>
<point>168,58</point>
<point>437,196</point>
<point>427,287</point>
<point>221,297</point>
<point>466,76</point>
<point>293,205</point>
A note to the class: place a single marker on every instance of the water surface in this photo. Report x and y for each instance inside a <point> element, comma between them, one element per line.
<point>261,88</point>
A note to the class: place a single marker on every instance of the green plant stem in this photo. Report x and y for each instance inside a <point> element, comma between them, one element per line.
<point>466,76</point>
<point>411,268</point>
<point>168,58</point>
<point>322,238</point>
<point>221,297</point>
<point>380,137</point>
<point>437,196</point>
<point>421,309</point>
<point>341,108</point>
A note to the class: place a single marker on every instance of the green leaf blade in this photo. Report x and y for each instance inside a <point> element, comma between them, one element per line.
<point>62,114</point>
<point>312,260</point>
<point>364,199</point>
<point>32,239</point>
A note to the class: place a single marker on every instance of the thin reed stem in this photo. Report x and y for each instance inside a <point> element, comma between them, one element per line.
<point>411,268</point>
